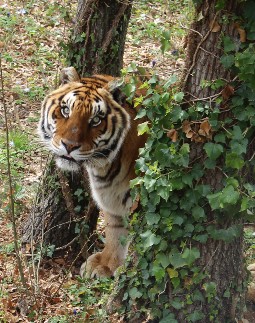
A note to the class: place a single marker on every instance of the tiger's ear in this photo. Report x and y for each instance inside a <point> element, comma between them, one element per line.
<point>69,74</point>
<point>114,87</point>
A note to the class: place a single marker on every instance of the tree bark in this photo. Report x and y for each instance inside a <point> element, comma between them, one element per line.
<point>62,208</point>
<point>54,217</point>
<point>222,261</point>
<point>204,49</point>
<point>97,45</point>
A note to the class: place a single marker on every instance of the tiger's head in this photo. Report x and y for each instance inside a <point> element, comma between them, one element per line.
<point>84,121</point>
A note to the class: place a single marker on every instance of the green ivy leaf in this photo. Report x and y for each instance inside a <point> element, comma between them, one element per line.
<point>239,147</point>
<point>176,282</point>
<point>234,161</point>
<point>196,316</point>
<point>177,114</point>
<point>227,60</point>
<point>212,150</point>
<point>136,181</point>
<point>190,255</point>
<point>214,200</point>
<point>220,200</point>
<point>163,154</point>
<point>250,188</point>
<point>168,319</point>
<point>129,89</point>
<point>177,303</point>
<point>173,79</point>
<point>163,192</point>
<point>140,114</point>
<point>203,189</point>
<point>152,218</point>
<point>172,273</point>
<point>185,149</point>
<point>209,163</point>
<point>177,261</point>
<point>158,272</point>
<point>163,259</point>
<point>198,212</point>
<point>151,240</point>
<point>134,293</point>
<point>232,181</point>
<point>220,137</point>
<point>189,228</point>
<point>178,97</point>
<point>229,196</point>
<point>229,45</point>
<point>143,128</point>
<point>187,179</point>
<point>202,238</point>
<point>178,220</point>
<point>226,235</point>
<point>237,133</point>
<point>165,41</point>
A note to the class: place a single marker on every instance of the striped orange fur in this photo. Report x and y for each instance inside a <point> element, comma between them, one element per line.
<point>87,123</point>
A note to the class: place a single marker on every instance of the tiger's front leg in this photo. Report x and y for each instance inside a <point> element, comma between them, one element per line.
<point>104,264</point>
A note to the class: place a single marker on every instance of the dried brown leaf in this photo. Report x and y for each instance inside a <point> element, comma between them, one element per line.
<point>198,138</point>
<point>190,134</point>
<point>214,26</point>
<point>227,92</point>
<point>205,127</point>
<point>242,33</point>
<point>173,135</point>
<point>186,126</point>
<point>135,204</point>
<point>201,132</point>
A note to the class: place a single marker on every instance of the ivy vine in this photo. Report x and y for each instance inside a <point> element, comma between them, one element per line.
<point>174,194</point>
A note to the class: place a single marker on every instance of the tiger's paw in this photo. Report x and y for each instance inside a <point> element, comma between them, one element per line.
<point>98,265</point>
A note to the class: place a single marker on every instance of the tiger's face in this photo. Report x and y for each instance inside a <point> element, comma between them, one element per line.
<point>83,124</point>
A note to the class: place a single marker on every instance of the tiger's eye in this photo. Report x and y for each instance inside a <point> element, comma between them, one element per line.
<point>65,111</point>
<point>95,121</point>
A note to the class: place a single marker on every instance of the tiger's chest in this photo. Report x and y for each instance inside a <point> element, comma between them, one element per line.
<point>110,189</point>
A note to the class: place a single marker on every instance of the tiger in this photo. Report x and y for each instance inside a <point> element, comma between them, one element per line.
<point>88,123</point>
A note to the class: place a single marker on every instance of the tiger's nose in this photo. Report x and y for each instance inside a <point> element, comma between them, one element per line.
<point>70,145</point>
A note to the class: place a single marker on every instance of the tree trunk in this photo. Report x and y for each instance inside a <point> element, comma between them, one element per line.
<point>60,206</point>
<point>212,289</point>
<point>223,261</point>
<point>62,209</point>
<point>97,45</point>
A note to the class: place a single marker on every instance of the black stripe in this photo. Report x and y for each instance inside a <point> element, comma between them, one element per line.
<point>54,116</point>
<point>95,143</point>
<point>112,147</point>
<point>114,122</point>
<point>106,151</point>
<point>126,197</point>
<point>124,118</point>
<point>94,80</point>
<point>112,172</point>
<point>43,130</point>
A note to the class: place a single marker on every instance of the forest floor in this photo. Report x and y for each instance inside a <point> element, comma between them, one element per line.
<point>32,34</point>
